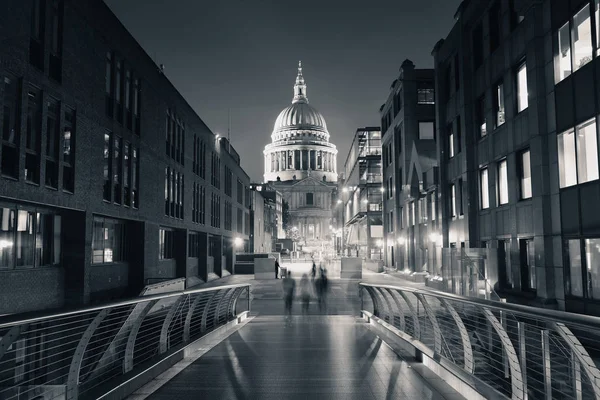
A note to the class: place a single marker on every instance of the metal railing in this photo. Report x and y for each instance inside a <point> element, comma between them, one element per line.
<point>85,353</point>
<point>516,351</point>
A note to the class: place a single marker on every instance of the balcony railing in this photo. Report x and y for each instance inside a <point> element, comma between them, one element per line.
<point>87,353</point>
<point>508,350</point>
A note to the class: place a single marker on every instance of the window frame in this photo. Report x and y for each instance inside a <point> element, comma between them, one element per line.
<point>499,181</point>
<point>519,103</point>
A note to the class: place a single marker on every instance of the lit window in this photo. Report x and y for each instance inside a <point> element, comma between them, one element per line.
<point>502,182</point>
<point>587,152</point>
<point>566,159</point>
<point>592,260</point>
<point>582,38</point>
<point>426,130</point>
<point>525,174</point>
<point>480,116</point>
<point>564,56</point>
<point>499,104</point>
<point>597,8</point>
<point>575,279</point>
<point>522,95</point>
<point>484,187</point>
<point>450,141</point>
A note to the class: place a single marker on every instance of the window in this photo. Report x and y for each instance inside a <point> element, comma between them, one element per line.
<point>127,174</point>
<point>36,42</point>
<point>458,139</point>
<point>32,239</point>
<point>107,165</point>
<point>499,110</point>
<point>56,28</point>
<point>215,170</point>
<point>525,174</point>
<point>228,181</point>
<point>480,122</point>
<point>69,151</point>
<point>477,42</point>
<point>502,182</point>
<point>166,244</point>
<point>484,188</point>
<point>240,221</point>
<point>240,192</point>
<point>398,101</point>
<point>215,211</point>
<point>578,155</point>
<point>10,128</point>
<point>135,178</point>
<point>522,94</point>
<point>582,38</point>
<point>574,284</point>
<point>194,245</point>
<point>52,142</point>
<point>109,240</point>
<point>433,208</point>
<point>504,262</point>
<point>597,19</point>
<point>109,82</point>
<point>309,199</point>
<point>495,26</point>
<point>583,279</point>
<point>412,213</point>
<point>425,93</point>
<point>515,18</point>
<point>34,135</point>
<point>450,141</point>
<point>447,85</point>
<point>452,200</point>
<point>564,53</point>
<point>426,131</point>
<point>460,197</point>
<point>118,170</point>
<point>227,217</point>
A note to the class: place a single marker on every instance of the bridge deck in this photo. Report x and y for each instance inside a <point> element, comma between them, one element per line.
<point>314,357</point>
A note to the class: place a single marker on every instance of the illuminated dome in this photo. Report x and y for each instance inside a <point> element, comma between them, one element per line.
<point>300,142</point>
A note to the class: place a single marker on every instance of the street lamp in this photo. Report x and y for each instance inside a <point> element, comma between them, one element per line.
<point>238,242</point>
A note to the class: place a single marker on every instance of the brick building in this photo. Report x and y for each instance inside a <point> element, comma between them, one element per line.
<point>110,180</point>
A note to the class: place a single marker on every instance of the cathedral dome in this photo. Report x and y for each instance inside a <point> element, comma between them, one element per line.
<point>300,116</point>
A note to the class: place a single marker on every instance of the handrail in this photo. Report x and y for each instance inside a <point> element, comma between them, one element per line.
<point>549,315</point>
<point>87,352</point>
<point>521,353</point>
<point>6,321</point>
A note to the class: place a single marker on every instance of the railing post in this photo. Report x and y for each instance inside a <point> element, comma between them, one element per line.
<point>164,330</point>
<point>523,356</point>
<point>129,348</point>
<point>464,335</point>
<point>437,332</point>
<point>546,363</point>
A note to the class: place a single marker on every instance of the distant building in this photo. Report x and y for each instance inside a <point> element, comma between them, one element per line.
<point>109,179</point>
<point>301,164</point>
<point>409,163</point>
<point>361,196</point>
<point>270,217</point>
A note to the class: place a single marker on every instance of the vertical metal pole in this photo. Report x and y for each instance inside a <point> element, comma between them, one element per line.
<point>546,363</point>
<point>576,370</point>
<point>248,299</point>
<point>523,356</point>
<point>504,355</point>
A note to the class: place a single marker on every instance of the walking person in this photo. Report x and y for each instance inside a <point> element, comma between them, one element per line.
<point>323,286</point>
<point>289,286</point>
<point>305,293</point>
<point>276,269</point>
<point>313,272</point>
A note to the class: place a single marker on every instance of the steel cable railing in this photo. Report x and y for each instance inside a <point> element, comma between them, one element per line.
<point>84,353</point>
<point>519,352</point>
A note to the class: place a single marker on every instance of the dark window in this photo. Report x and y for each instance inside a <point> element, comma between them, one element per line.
<point>52,142</point>
<point>109,84</point>
<point>56,33</point>
<point>425,93</point>
<point>10,128</point>
<point>309,199</point>
<point>194,245</point>
<point>227,217</point>
<point>240,221</point>
<point>240,192</point>
<point>119,89</point>
<point>495,26</point>
<point>34,130</point>
<point>456,72</point>
<point>515,18</point>
<point>69,151</point>
<point>480,124</point>
<point>168,133</point>
<point>166,244</point>
<point>109,241</point>
<point>127,174</point>
<point>107,165</point>
<point>135,176</point>
<point>459,197</point>
<point>118,170</point>
<point>458,138</point>
<point>128,113</point>
<point>228,181</point>
<point>215,221</point>
<point>137,98</point>
<point>215,170</point>
<point>447,84</point>
<point>477,42</point>
<point>36,41</point>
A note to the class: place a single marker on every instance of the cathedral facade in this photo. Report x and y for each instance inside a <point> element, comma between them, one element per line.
<point>301,163</point>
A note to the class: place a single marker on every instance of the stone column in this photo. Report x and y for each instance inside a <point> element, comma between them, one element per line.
<point>300,155</point>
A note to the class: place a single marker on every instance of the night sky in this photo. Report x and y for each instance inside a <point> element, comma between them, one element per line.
<point>243,56</point>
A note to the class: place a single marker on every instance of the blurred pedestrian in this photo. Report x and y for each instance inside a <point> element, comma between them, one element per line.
<point>289,287</point>
<point>276,269</point>
<point>322,287</point>
<point>313,272</point>
<point>305,293</point>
